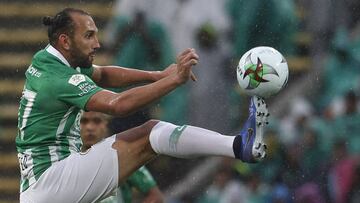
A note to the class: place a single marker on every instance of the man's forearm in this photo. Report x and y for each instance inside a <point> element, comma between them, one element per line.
<point>124,103</point>
<point>114,76</point>
<point>135,98</point>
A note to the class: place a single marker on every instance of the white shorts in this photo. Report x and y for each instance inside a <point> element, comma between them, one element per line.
<point>81,177</point>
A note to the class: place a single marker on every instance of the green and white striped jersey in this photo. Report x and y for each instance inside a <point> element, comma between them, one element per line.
<point>49,113</point>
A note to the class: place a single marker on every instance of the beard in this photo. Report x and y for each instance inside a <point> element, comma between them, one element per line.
<point>78,58</point>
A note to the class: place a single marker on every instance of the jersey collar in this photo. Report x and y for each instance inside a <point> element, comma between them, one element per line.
<point>57,54</point>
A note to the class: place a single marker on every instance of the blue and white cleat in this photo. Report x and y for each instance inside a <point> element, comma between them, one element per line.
<point>251,147</point>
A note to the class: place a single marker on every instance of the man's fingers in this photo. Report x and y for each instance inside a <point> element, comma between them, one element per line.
<point>186,60</point>
<point>189,63</point>
<point>184,53</point>
<point>193,76</point>
<point>192,62</point>
<point>189,57</point>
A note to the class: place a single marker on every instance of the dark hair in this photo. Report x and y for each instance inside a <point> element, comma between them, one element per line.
<point>61,23</point>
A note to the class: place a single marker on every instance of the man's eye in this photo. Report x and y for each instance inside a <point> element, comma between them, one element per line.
<point>84,121</point>
<point>97,120</point>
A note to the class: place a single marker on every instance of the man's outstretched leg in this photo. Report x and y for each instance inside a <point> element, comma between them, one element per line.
<point>139,145</point>
<point>189,141</point>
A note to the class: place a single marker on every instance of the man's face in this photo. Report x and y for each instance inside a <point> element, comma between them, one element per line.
<point>93,127</point>
<point>84,41</point>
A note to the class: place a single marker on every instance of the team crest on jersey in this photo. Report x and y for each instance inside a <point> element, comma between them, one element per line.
<point>76,79</point>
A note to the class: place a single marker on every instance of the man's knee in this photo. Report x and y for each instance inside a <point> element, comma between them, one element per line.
<point>148,125</point>
<point>139,132</point>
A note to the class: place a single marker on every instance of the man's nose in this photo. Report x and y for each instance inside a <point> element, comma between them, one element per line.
<point>89,126</point>
<point>97,43</point>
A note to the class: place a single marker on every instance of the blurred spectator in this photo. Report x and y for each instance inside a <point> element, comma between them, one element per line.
<point>342,173</point>
<point>354,194</point>
<point>259,191</point>
<point>293,126</point>
<point>228,187</point>
<point>347,125</point>
<point>181,18</point>
<point>292,172</point>
<point>342,65</point>
<point>142,43</point>
<point>207,105</point>
<point>263,23</point>
<point>143,182</point>
<point>313,160</point>
<point>323,127</point>
<point>215,192</point>
<point>309,193</point>
<point>280,193</point>
<point>235,191</point>
<point>324,17</point>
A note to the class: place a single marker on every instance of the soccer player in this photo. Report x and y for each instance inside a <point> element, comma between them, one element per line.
<point>93,129</point>
<point>61,80</point>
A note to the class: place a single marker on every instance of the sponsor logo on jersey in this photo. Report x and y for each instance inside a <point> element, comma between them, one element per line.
<point>86,88</point>
<point>77,79</point>
<point>33,71</point>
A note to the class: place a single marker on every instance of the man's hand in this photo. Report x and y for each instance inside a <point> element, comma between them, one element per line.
<point>185,61</point>
<point>171,69</point>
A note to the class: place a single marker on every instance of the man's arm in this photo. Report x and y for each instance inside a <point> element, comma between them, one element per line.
<point>115,76</point>
<point>129,101</point>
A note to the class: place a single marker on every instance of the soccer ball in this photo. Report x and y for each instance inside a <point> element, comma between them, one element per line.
<point>262,71</point>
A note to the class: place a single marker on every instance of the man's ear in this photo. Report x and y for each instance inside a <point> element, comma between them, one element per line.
<point>64,41</point>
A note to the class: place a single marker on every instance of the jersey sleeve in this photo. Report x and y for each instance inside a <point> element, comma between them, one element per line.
<point>142,180</point>
<point>87,71</point>
<point>75,89</point>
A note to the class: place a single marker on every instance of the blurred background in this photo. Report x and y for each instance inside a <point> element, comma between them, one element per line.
<point>314,132</point>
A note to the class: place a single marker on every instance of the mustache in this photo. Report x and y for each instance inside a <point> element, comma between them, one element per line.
<point>93,52</point>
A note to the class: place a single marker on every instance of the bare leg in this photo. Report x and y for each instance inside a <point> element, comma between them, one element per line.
<point>134,149</point>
